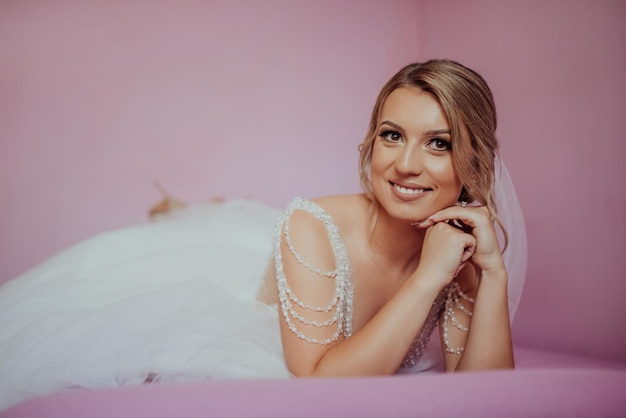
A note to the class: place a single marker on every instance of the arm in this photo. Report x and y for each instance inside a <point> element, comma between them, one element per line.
<point>487,343</point>
<point>380,344</point>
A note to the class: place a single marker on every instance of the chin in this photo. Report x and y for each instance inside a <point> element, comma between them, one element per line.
<point>416,210</point>
<point>407,213</point>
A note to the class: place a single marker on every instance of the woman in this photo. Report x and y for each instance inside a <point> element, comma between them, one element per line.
<point>362,279</point>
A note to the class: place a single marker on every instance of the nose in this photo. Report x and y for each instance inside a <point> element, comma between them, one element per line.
<point>410,159</point>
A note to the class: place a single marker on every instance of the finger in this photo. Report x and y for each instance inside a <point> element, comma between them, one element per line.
<point>459,269</point>
<point>460,225</point>
<point>469,250</point>
<point>424,224</point>
<point>464,218</point>
<point>471,217</point>
<point>478,222</point>
<point>467,254</point>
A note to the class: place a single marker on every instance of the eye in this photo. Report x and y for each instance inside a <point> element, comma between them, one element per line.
<point>439,144</point>
<point>391,136</point>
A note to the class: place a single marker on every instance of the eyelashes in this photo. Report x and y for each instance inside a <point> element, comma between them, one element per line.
<point>440,144</point>
<point>435,144</point>
<point>391,136</point>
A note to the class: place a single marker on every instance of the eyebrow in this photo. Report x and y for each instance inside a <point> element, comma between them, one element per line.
<point>438,132</point>
<point>427,133</point>
<point>393,125</point>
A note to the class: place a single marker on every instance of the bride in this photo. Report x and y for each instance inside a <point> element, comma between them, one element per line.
<point>408,276</point>
<point>363,279</point>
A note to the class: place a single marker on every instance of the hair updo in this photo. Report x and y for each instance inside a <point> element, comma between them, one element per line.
<point>467,102</point>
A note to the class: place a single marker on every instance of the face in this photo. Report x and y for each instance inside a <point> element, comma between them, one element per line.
<point>412,173</point>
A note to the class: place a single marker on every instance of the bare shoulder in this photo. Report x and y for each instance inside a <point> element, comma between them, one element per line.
<point>348,214</point>
<point>347,211</point>
<point>308,236</point>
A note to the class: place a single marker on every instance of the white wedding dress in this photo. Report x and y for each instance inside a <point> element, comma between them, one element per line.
<point>173,300</point>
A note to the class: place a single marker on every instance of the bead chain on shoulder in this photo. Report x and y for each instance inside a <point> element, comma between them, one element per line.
<point>454,294</point>
<point>343,298</point>
<point>332,273</point>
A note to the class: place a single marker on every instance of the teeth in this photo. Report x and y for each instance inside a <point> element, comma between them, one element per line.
<point>404,190</point>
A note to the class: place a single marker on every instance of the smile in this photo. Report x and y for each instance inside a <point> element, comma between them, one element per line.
<point>408,191</point>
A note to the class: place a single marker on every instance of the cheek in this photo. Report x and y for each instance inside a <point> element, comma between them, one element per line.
<point>379,160</point>
<point>444,172</point>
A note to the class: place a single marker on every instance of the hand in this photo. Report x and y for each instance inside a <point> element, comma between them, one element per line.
<point>445,251</point>
<point>478,223</point>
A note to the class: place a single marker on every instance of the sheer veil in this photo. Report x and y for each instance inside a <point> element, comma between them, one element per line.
<point>510,213</point>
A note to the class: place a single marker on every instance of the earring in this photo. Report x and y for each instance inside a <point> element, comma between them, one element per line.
<point>465,196</point>
<point>463,203</point>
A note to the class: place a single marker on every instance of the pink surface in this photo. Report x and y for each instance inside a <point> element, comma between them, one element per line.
<point>526,393</point>
<point>544,385</point>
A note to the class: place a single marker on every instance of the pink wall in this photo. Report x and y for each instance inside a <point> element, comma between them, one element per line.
<point>558,73</point>
<point>266,100</point>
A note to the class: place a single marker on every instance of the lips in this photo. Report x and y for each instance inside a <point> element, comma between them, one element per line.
<point>409,190</point>
<point>405,190</point>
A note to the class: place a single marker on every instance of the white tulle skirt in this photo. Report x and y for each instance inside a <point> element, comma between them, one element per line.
<point>168,301</point>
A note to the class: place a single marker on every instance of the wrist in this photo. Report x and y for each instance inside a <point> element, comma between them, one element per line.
<point>429,282</point>
<point>493,265</point>
<point>494,273</point>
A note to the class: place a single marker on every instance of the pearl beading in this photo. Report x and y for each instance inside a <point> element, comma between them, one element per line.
<point>416,350</point>
<point>341,303</point>
<point>453,300</point>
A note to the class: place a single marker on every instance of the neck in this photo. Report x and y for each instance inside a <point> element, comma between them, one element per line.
<point>396,241</point>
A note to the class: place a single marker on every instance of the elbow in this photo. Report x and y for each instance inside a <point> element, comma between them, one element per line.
<point>300,369</point>
<point>303,374</point>
<point>482,367</point>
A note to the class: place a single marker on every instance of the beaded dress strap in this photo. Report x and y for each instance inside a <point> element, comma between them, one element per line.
<point>453,300</point>
<point>341,302</point>
<point>448,299</point>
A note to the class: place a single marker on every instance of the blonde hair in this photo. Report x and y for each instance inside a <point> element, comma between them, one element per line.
<point>467,102</point>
